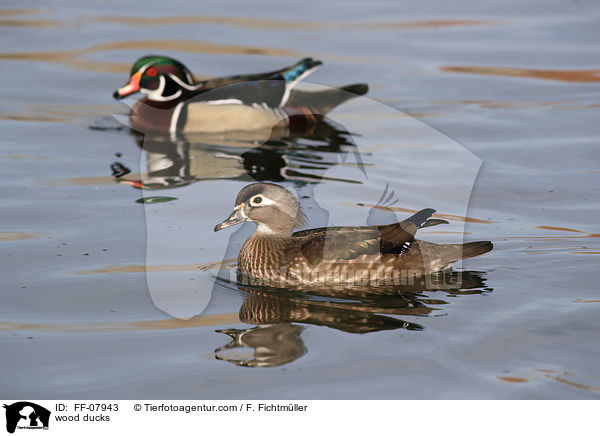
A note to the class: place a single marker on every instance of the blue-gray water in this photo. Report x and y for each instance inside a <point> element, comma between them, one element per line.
<point>515,86</point>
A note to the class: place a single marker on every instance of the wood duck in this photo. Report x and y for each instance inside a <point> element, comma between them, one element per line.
<point>174,101</point>
<point>276,256</point>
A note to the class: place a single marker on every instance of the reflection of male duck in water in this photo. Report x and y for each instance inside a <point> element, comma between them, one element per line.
<point>275,341</point>
<point>179,162</point>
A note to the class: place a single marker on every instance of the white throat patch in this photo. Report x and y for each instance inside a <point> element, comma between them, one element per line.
<point>156,94</point>
<point>263,229</point>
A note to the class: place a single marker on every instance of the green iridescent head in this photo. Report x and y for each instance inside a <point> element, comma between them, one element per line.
<point>160,78</point>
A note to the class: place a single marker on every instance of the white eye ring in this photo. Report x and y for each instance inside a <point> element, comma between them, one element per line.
<point>262,200</point>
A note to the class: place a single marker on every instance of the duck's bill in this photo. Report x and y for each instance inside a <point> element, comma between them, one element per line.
<point>131,88</point>
<point>236,217</point>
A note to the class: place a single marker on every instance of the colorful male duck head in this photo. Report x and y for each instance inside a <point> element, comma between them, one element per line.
<point>160,78</point>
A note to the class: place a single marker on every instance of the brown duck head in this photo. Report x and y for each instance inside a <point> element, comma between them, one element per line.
<point>273,208</point>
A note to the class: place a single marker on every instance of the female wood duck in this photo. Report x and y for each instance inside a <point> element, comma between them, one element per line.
<point>277,256</point>
<point>175,102</point>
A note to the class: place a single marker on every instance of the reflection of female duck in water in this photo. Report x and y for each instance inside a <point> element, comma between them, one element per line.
<point>275,341</point>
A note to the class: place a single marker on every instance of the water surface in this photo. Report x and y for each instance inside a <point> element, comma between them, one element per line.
<point>515,86</point>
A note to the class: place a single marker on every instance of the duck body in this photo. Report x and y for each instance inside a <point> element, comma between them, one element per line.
<point>193,116</point>
<point>276,256</point>
<point>175,102</point>
<point>344,256</point>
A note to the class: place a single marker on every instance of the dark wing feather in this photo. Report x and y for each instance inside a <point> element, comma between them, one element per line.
<point>258,88</point>
<point>281,74</point>
<point>396,238</point>
<point>433,222</point>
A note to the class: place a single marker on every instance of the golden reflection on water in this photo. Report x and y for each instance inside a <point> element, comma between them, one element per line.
<point>70,57</point>
<point>32,11</point>
<point>116,326</point>
<point>573,249</point>
<point>30,23</point>
<point>139,268</point>
<point>552,105</point>
<point>445,216</point>
<point>271,24</point>
<point>572,383</point>
<point>73,57</point>
<point>207,266</point>
<point>85,181</point>
<point>514,379</point>
<point>192,47</point>
<point>15,236</point>
<point>561,377</point>
<point>59,113</point>
<point>424,24</point>
<point>32,117</point>
<point>561,229</point>
<point>581,234</point>
<point>25,157</point>
<point>242,22</point>
<point>559,75</point>
<point>251,23</point>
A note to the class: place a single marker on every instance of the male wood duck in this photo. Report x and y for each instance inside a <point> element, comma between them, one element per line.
<point>174,101</point>
<point>277,256</point>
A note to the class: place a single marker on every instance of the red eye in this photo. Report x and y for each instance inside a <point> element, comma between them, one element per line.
<point>151,72</point>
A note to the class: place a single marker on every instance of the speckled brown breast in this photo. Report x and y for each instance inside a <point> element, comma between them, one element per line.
<point>263,259</point>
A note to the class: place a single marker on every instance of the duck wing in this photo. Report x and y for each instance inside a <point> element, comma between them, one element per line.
<point>249,88</point>
<point>343,243</point>
<point>395,238</point>
<point>347,243</point>
<point>290,74</point>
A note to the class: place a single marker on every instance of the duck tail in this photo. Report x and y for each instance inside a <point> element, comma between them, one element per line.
<point>450,253</point>
<point>357,89</point>
<point>472,249</point>
<point>437,257</point>
<point>322,102</point>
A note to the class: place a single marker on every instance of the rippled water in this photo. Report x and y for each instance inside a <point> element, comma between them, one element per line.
<point>505,99</point>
